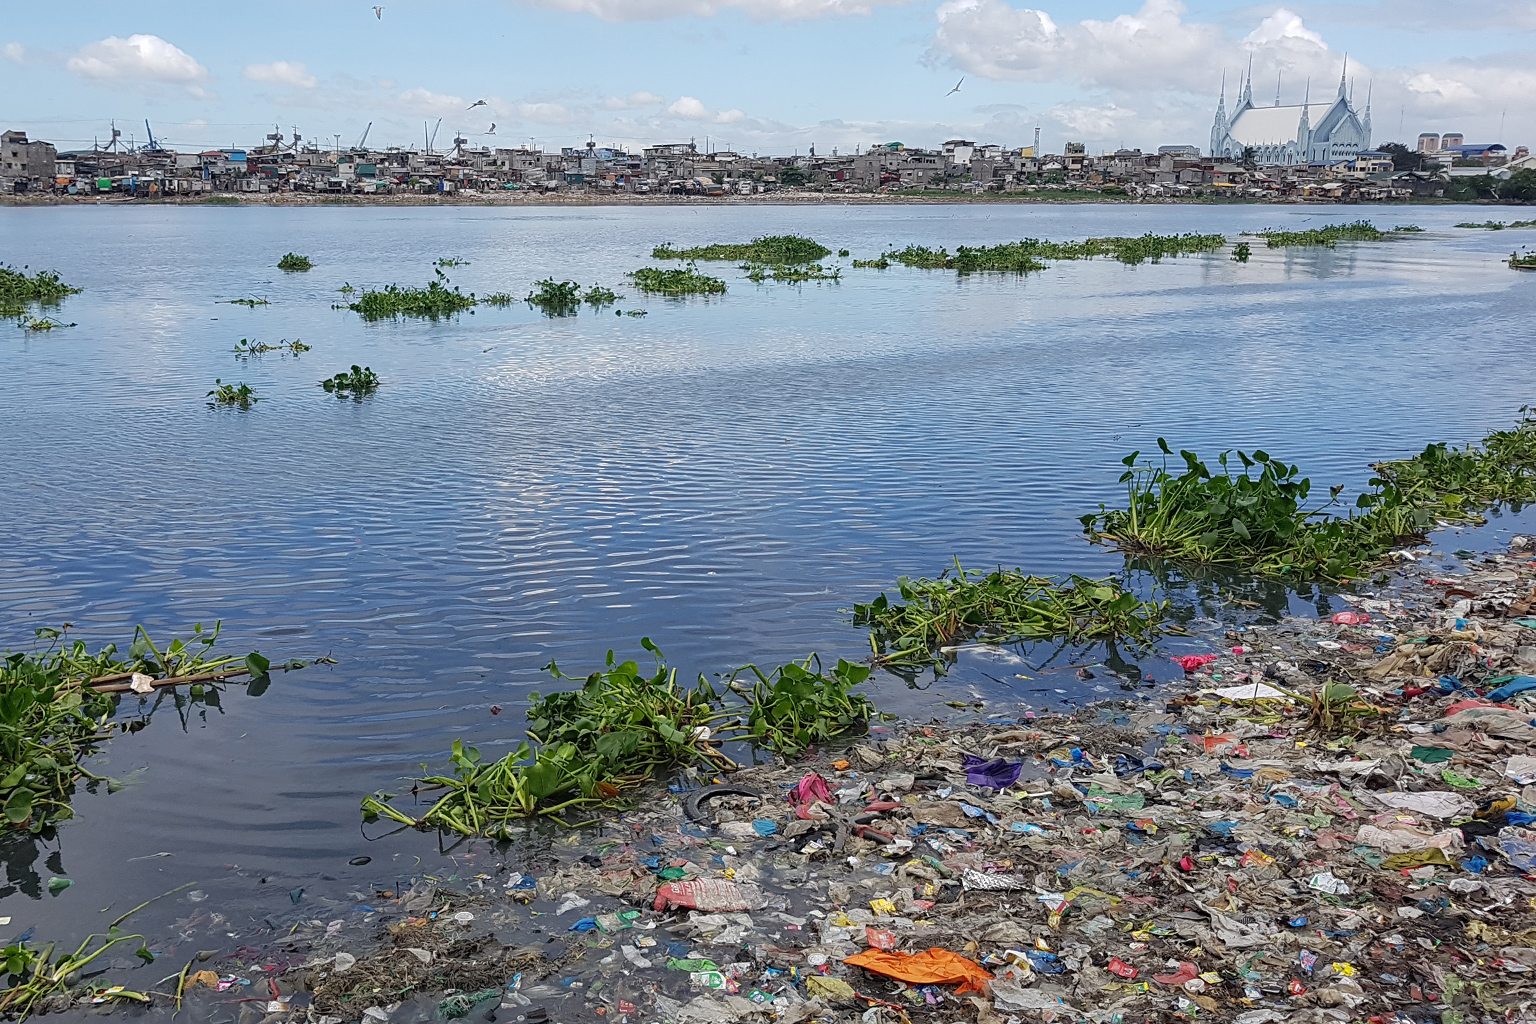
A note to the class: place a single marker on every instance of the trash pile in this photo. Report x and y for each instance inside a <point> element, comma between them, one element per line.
<point>1333,820</point>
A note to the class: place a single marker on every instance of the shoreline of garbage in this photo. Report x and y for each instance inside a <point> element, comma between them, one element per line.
<point>1330,820</point>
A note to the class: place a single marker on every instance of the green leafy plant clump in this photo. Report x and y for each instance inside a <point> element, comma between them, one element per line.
<point>250,303</point>
<point>1001,606</point>
<point>1498,225</point>
<point>878,263</point>
<point>1030,254</point>
<point>240,395</point>
<point>793,273</point>
<point>498,299</point>
<point>597,296</point>
<point>244,348</point>
<point>555,298</point>
<point>1326,237</point>
<point>52,716</point>
<point>43,323</point>
<point>294,263</point>
<point>433,302</point>
<point>1522,262</point>
<point>1262,522</point>
<point>624,726</point>
<point>1241,252</point>
<point>360,381</point>
<point>676,282</point>
<point>770,249</point>
<point>17,290</point>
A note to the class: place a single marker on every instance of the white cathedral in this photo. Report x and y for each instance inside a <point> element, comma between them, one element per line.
<point>1292,134</point>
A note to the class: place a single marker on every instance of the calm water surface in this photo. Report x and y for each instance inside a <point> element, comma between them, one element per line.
<point>722,476</point>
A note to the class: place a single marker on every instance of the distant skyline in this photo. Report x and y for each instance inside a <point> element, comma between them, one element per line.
<point>767,76</point>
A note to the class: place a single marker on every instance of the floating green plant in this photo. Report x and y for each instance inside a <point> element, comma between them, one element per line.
<point>1457,483</point>
<point>878,263</point>
<point>251,303</point>
<point>555,298</point>
<point>1241,252</point>
<point>794,273</point>
<point>1525,262</point>
<point>843,253</point>
<point>629,312</point>
<point>294,262</point>
<point>1498,225</point>
<point>17,290</point>
<point>1260,523</point>
<point>1001,606</point>
<point>52,715</point>
<point>239,395</point>
<point>43,323</point>
<point>676,282</point>
<point>1029,255</point>
<point>772,249</point>
<point>244,349</point>
<point>1327,237</point>
<point>346,288</point>
<point>597,296</point>
<point>451,262</point>
<point>498,299</point>
<point>360,381</point>
<point>623,727</point>
<point>432,302</point>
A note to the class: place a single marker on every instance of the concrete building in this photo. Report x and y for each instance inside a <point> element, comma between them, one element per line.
<point>20,159</point>
<point>1284,135</point>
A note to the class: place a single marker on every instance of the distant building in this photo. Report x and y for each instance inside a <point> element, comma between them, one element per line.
<point>1180,152</point>
<point>1301,133</point>
<point>22,159</point>
<point>1489,153</point>
<point>1450,139</point>
<point>1429,142</point>
<point>958,151</point>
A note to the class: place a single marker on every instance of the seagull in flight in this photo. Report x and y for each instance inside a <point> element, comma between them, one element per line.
<point>477,103</point>
<point>492,129</point>
<point>378,12</point>
<point>957,87</point>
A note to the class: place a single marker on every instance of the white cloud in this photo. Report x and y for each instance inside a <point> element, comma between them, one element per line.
<point>689,109</point>
<point>281,72</point>
<point>139,57</point>
<point>1091,121</point>
<point>14,52</point>
<point>426,103</point>
<point>634,101</point>
<point>1151,50</point>
<point>758,10</point>
<point>545,113</point>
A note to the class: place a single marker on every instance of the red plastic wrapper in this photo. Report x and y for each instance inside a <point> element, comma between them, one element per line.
<point>1350,619</point>
<point>1120,967</point>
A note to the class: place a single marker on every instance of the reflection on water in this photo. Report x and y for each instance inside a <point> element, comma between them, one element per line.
<point>724,476</point>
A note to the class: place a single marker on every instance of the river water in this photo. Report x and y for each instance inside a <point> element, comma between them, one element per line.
<point>725,476</point>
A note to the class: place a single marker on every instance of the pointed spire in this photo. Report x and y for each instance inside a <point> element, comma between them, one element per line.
<point>1248,83</point>
<point>1277,88</point>
<point>1343,75</point>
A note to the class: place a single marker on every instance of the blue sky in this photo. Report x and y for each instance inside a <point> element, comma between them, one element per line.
<point>771,76</point>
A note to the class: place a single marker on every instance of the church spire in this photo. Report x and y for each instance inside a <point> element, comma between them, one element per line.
<point>1248,84</point>
<point>1277,88</point>
<point>1343,75</point>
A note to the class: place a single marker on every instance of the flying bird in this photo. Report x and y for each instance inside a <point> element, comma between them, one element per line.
<point>477,103</point>
<point>378,12</point>
<point>492,129</point>
<point>957,87</point>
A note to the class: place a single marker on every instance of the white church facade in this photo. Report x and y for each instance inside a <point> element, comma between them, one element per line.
<point>1283,135</point>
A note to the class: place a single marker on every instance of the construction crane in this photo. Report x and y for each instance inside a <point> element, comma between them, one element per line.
<point>364,139</point>
<point>153,146</point>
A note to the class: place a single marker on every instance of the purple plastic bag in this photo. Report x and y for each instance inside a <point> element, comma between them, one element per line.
<point>995,774</point>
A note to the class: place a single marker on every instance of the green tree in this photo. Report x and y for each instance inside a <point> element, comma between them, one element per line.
<point>1403,158</point>
<point>1521,187</point>
<point>792,176</point>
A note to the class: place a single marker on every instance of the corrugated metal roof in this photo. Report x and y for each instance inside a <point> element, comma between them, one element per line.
<point>1267,126</point>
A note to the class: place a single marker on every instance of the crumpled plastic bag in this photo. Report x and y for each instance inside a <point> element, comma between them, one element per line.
<point>994,774</point>
<point>933,967</point>
<point>811,789</point>
<point>1519,845</point>
<point>1401,837</point>
<point>1434,804</point>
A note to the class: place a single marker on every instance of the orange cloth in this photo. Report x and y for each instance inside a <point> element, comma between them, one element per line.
<point>935,967</point>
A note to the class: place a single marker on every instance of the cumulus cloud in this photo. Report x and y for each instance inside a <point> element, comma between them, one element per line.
<point>1152,49</point>
<point>139,57</point>
<point>14,52</point>
<point>689,109</point>
<point>426,103</point>
<point>281,72</point>
<point>758,10</point>
<point>634,101</point>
